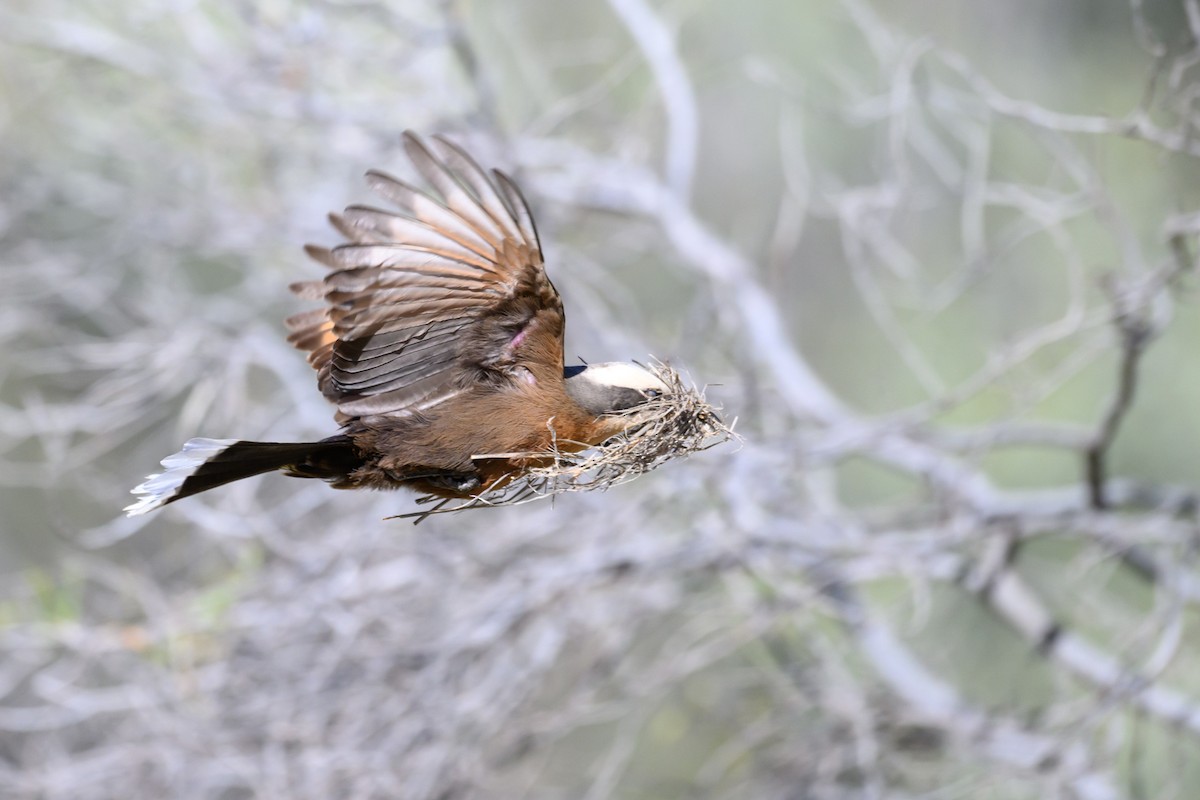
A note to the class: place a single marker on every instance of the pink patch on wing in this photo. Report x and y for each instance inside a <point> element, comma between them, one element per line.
<point>520,337</point>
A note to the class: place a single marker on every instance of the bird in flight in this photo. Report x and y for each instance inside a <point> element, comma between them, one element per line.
<point>440,342</point>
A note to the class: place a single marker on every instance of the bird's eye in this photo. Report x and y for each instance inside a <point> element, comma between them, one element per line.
<point>652,394</point>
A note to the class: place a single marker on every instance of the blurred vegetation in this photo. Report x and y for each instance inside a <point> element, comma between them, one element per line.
<point>164,161</point>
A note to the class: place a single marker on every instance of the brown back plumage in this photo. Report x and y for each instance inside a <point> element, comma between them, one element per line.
<point>429,303</point>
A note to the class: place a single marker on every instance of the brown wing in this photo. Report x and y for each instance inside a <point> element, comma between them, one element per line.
<point>424,304</point>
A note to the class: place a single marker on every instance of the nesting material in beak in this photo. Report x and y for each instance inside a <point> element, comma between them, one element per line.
<point>678,423</point>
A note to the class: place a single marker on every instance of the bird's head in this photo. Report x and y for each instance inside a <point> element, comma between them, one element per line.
<point>613,392</point>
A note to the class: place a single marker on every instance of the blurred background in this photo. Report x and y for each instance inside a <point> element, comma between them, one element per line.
<point>937,258</point>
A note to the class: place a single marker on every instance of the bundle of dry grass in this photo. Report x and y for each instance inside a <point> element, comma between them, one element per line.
<point>679,423</point>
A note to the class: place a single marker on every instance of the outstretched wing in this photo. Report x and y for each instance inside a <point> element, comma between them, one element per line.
<point>424,304</point>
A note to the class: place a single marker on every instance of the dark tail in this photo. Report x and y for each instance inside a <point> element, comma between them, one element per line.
<point>205,464</point>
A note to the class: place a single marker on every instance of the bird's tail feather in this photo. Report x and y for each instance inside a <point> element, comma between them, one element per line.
<point>205,464</point>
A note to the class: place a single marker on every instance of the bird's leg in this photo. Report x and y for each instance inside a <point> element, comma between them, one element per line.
<point>464,482</point>
<point>448,480</point>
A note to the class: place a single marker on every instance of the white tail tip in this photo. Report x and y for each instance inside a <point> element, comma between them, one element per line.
<point>157,489</point>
